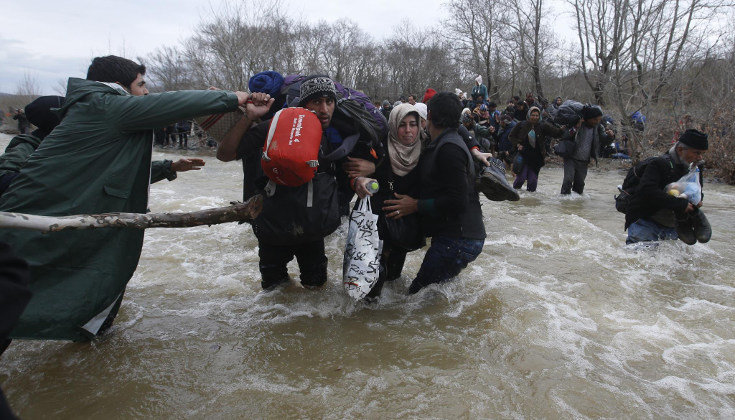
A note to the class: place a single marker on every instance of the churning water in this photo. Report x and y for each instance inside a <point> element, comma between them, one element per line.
<point>554,319</point>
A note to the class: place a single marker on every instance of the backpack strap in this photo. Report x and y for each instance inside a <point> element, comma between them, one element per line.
<point>269,137</point>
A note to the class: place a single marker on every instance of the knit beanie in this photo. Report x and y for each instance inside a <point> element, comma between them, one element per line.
<point>589,112</point>
<point>39,112</point>
<point>317,87</point>
<point>428,95</point>
<point>269,82</point>
<point>694,139</point>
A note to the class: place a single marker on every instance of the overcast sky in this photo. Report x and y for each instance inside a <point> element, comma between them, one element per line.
<point>51,40</point>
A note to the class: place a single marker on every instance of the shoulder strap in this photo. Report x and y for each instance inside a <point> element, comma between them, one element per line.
<point>269,137</point>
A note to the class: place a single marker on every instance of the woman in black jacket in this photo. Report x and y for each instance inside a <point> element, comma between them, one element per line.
<point>397,177</point>
<point>530,138</point>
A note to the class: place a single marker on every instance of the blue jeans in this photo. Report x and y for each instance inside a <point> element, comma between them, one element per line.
<point>445,258</point>
<point>647,230</point>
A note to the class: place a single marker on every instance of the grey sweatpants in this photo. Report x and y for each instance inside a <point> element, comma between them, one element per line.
<point>575,172</point>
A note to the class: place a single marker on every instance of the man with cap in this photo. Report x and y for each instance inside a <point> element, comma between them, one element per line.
<point>587,135</point>
<point>345,153</point>
<point>653,214</point>
<point>21,146</point>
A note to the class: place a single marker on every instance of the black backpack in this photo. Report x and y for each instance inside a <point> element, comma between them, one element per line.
<point>631,181</point>
<point>365,121</point>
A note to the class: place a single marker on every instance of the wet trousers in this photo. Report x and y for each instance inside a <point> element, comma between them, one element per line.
<point>445,259</point>
<point>526,174</point>
<point>310,256</point>
<point>647,230</point>
<point>575,172</point>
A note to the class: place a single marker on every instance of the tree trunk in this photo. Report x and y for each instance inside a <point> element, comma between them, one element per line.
<point>237,212</point>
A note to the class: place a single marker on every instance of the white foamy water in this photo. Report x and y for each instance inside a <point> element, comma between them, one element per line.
<point>555,319</point>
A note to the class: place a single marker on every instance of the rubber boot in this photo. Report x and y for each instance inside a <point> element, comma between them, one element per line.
<point>493,184</point>
<point>685,229</point>
<point>702,228</point>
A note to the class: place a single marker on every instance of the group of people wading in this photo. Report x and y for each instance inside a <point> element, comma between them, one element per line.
<point>91,154</point>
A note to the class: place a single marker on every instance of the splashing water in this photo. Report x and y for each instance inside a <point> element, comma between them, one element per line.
<point>556,318</point>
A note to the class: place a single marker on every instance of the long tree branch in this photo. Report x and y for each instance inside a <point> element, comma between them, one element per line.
<point>237,212</point>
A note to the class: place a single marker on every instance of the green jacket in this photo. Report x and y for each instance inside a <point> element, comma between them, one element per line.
<point>17,152</point>
<point>97,160</point>
<point>21,147</point>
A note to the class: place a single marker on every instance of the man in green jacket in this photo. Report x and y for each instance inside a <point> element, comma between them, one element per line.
<point>40,113</point>
<point>97,160</point>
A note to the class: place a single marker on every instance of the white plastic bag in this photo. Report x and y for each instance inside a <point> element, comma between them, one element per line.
<point>687,187</point>
<point>361,265</point>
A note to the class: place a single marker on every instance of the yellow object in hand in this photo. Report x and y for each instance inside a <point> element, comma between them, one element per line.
<point>674,192</point>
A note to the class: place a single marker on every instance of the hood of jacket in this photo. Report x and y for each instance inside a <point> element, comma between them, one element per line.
<point>77,89</point>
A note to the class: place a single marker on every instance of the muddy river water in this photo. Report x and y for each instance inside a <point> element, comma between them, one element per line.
<point>555,319</point>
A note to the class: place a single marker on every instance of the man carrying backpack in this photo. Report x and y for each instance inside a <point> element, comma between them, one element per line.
<point>652,214</point>
<point>587,140</point>
<point>295,220</point>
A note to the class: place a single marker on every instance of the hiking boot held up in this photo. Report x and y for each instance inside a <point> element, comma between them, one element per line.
<point>702,228</point>
<point>493,184</point>
<point>685,229</point>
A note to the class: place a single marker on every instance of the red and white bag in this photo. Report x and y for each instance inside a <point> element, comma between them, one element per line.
<point>291,151</point>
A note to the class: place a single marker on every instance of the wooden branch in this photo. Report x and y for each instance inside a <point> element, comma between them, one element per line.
<point>237,212</point>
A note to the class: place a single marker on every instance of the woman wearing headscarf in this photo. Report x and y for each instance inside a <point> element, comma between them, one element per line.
<point>529,137</point>
<point>397,177</point>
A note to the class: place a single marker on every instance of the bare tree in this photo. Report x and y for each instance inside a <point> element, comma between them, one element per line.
<point>60,87</point>
<point>603,34</point>
<point>28,86</point>
<point>473,27</point>
<point>169,69</point>
<point>530,40</point>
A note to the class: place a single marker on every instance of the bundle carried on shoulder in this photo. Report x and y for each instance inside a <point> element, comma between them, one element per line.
<point>570,112</point>
<point>217,125</point>
<point>351,103</point>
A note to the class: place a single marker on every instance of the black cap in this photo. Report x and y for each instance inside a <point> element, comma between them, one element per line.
<point>694,139</point>
<point>589,112</point>
<point>39,112</point>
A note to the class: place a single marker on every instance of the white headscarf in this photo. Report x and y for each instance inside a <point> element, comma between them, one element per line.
<point>422,109</point>
<point>403,159</point>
